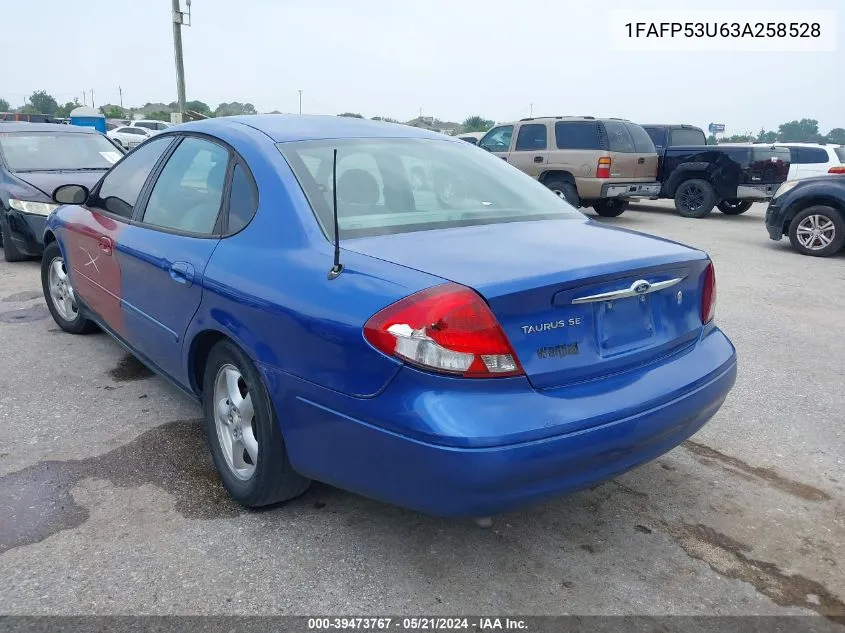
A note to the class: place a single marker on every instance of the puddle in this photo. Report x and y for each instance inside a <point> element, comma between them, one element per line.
<point>130,368</point>
<point>37,500</point>
<point>25,315</point>
<point>20,297</point>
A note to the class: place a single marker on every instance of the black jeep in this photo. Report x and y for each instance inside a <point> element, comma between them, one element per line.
<point>700,176</point>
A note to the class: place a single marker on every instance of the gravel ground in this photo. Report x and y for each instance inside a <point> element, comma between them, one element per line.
<point>110,505</point>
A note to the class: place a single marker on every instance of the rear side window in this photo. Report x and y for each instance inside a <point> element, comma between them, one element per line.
<point>682,136</point>
<point>577,135</point>
<point>808,155</point>
<point>769,154</point>
<point>657,136</point>
<point>618,138</point>
<point>840,153</point>
<point>531,137</point>
<point>642,141</point>
<point>242,200</point>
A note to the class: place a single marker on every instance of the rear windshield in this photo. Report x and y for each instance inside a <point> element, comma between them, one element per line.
<point>642,141</point>
<point>387,186</point>
<point>657,135</point>
<point>50,151</point>
<point>618,137</point>
<point>769,153</point>
<point>681,136</point>
<point>840,153</point>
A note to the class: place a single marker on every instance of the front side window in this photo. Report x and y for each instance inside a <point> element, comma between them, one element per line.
<point>189,190</point>
<point>531,137</point>
<point>498,139</point>
<point>149,126</point>
<point>406,185</point>
<point>51,151</point>
<point>122,185</point>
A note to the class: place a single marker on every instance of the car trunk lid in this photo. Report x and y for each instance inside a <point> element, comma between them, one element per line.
<point>577,300</point>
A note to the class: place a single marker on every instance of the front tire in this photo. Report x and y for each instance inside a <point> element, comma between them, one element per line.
<point>243,432</point>
<point>818,231</point>
<point>695,198</point>
<point>734,207</point>
<point>59,294</point>
<point>610,208</point>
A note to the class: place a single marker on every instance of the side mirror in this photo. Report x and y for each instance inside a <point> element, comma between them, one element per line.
<point>71,194</point>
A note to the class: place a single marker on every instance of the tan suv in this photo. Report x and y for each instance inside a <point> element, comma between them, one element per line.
<point>599,163</point>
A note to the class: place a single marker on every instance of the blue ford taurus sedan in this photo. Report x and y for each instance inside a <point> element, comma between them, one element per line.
<point>390,311</point>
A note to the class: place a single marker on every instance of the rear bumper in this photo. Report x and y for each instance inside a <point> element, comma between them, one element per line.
<point>27,231</point>
<point>349,443</point>
<point>630,190</point>
<point>757,192</point>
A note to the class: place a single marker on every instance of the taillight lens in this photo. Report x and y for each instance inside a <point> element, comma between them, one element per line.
<point>447,329</point>
<point>603,168</point>
<point>837,170</point>
<point>708,295</point>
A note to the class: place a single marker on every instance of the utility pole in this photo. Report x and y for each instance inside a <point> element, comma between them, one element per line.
<point>531,109</point>
<point>92,98</point>
<point>84,100</point>
<point>120,90</point>
<point>178,19</point>
<point>300,101</point>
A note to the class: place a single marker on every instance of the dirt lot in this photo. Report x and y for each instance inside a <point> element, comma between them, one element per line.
<point>109,503</point>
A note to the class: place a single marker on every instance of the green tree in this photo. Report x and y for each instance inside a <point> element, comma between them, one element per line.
<point>738,138</point>
<point>836,135</point>
<point>234,108</point>
<point>767,137</point>
<point>112,111</point>
<point>712,140</point>
<point>198,106</point>
<point>386,119</point>
<point>65,110</point>
<point>4,105</point>
<point>159,115</point>
<point>43,103</point>
<point>30,109</point>
<point>803,131</point>
<point>476,124</point>
<point>351,115</point>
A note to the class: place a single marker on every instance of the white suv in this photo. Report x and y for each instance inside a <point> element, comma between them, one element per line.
<point>155,126</point>
<point>814,159</point>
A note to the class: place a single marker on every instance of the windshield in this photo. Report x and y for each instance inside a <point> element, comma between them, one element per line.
<point>51,151</point>
<point>403,185</point>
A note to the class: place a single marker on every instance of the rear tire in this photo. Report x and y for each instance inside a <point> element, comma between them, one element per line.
<point>566,189</point>
<point>610,207</point>
<point>59,295</point>
<point>818,231</point>
<point>695,198</point>
<point>245,440</point>
<point>10,251</point>
<point>734,207</point>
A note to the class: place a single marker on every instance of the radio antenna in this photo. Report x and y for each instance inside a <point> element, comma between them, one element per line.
<point>337,268</point>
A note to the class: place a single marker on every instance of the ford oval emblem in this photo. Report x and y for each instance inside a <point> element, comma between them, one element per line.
<point>642,287</point>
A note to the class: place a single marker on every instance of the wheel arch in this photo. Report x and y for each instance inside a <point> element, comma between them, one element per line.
<point>556,173</point>
<point>811,201</point>
<point>200,348</point>
<point>684,172</point>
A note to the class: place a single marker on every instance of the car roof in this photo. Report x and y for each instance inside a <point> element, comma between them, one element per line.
<point>685,126</point>
<point>23,126</point>
<point>797,144</point>
<point>284,128</point>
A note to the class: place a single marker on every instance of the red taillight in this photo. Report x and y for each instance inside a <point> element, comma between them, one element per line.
<point>447,329</point>
<point>708,295</point>
<point>837,170</point>
<point>603,168</point>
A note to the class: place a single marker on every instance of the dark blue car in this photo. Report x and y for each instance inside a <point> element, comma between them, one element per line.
<point>474,343</point>
<point>36,158</point>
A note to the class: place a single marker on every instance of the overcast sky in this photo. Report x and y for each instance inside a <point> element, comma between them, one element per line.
<point>450,58</point>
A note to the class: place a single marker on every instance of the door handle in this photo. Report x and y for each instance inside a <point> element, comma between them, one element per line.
<point>538,159</point>
<point>641,161</point>
<point>504,158</point>
<point>182,273</point>
<point>106,244</point>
